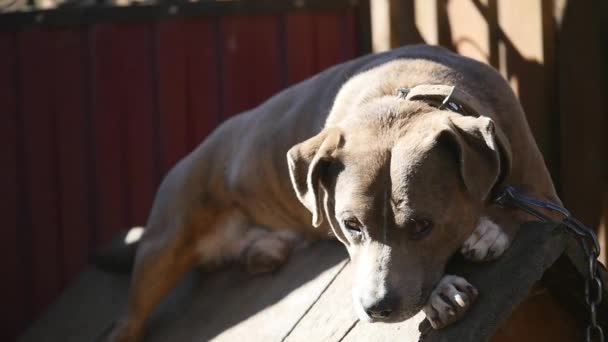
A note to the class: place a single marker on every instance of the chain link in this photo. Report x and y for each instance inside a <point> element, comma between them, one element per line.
<point>585,237</point>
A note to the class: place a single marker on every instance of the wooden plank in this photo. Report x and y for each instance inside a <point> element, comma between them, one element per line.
<point>300,46</point>
<point>188,85</point>
<point>351,43</point>
<point>324,321</point>
<point>108,120</point>
<point>125,123</point>
<point>469,28</point>
<point>504,283</point>
<point>203,82</point>
<point>70,95</point>
<point>406,331</point>
<point>231,305</point>
<point>85,310</point>
<point>403,23</point>
<point>142,164</point>
<point>582,109</point>
<point>13,288</point>
<point>224,306</point>
<point>173,101</point>
<point>250,53</point>
<point>523,63</point>
<point>39,112</point>
<point>235,306</point>
<point>329,32</point>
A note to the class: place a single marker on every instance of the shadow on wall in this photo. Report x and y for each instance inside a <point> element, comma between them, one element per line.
<point>569,131</point>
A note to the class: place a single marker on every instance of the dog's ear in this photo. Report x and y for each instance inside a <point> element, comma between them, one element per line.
<point>308,162</point>
<point>483,150</point>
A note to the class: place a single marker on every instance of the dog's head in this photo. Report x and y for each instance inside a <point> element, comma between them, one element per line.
<point>402,187</point>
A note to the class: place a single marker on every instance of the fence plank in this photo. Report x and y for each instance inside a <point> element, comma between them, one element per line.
<point>203,78</point>
<point>321,324</point>
<point>142,164</point>
<point>173,101</point>
<point>251,53</point>
<point>39,119</point>
<point>69,78</point>
<point>12,290</point>
<point>467,29</point>
<point>330,31</point>
<point>188,85</point>
<point>300,46</point>
<point>124,123</point>
<point>582,106</point>
<point>524,65</point>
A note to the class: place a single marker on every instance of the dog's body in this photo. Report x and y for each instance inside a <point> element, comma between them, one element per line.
<point>233,197</point>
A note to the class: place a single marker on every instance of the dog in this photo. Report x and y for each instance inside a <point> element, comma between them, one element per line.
<point>397,155</point>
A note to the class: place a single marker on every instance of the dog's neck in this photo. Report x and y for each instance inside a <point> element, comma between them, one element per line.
<point>444,97</point>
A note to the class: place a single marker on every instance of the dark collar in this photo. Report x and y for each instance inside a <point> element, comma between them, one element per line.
<point>446,97</point>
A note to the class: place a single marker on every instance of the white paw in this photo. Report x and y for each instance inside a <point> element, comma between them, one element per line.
<point>449,301</point>
<point>487,242</point>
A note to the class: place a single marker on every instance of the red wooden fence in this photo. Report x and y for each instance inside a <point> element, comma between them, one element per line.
<point>93,114</point>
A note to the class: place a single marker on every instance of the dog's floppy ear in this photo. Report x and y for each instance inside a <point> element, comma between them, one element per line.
<point>484,152</point>
<point>307,163</point>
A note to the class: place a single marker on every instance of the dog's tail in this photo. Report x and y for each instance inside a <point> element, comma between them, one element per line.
<point>119,255</point>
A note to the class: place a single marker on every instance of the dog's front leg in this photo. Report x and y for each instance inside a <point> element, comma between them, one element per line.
<point>449,301</point>
<point>490,239</point>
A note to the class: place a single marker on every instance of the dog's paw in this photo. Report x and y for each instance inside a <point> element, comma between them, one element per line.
<point>449,301</point>
<point>125,332</point>
<point>487,242</point>
<point>266,253</point>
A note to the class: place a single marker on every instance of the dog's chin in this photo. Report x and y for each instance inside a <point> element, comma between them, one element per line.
<point>397,317</point>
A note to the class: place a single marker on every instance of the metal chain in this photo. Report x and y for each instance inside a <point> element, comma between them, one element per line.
<point>585,237</point>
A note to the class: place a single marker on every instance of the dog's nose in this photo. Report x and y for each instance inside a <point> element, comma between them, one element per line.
<point>380,310</point>
<point>379,314</point>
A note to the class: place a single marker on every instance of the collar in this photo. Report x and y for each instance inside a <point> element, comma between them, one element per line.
<point>442,96</point>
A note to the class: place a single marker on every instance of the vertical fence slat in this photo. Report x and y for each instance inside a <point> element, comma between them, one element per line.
<point>301,46</point>
<point>251,56</point>
<point>70,95</point>
<point>109,126</point>
<point>12,289</point>
<point>39,111</point>
<point>124,121</point>
<point>350,42</point>
<point>188,85</point>
<point>329,30</point>
<point>142,172</point>
<point>525,67</point>
<point>582,105</point>
<point>172,91</point>
<point>203,78</point>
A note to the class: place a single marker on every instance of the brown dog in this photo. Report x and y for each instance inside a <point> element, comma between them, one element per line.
<point>397,154</point>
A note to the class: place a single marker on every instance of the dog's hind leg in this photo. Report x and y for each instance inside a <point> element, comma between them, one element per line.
<point>164,255</point>
<point>159,265</point>
<point>264,251</point>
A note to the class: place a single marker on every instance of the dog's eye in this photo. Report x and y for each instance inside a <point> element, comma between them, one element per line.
<point>418,229</point>
<point>353,226</point>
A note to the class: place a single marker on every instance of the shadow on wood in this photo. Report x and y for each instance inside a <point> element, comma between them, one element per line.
<point>532,292</point>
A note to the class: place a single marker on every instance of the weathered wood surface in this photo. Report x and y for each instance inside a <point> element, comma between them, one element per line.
<point>307,300</point>
<point>504,283</point>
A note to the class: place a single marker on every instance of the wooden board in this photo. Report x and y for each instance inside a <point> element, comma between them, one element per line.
<point>41,171</point>
<point>84,311</point>
<point>223,306</point>
<point>13,292</point>
<point>307,300</point>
